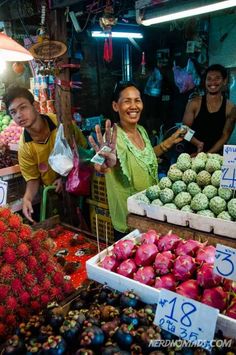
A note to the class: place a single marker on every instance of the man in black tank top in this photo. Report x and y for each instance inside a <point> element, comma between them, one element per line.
<point>211,116</point>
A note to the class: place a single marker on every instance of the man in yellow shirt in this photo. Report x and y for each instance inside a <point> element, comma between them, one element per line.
<point>36,144</point>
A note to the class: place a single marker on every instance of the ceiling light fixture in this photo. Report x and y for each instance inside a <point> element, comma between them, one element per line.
<point>170,14</point>
<point>11,51</point>
<point>117,34</point>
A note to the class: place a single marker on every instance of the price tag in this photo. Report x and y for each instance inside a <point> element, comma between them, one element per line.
<point>189,134</point>
<point>228,177</point>
<point>225,262</point>
<point>3,192</point>
<point>186,318</point>
<point>229,155</point>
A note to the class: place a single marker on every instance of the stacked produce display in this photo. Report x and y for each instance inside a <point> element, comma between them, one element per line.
<point>5,157</point>
<point>10,134</point>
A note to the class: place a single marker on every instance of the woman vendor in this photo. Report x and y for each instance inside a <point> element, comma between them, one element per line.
<point>134,167</point>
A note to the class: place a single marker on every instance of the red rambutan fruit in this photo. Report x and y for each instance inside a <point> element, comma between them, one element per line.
<point>9,255</point>
<point>23,313</point>
<point>6,272</point>
<point>49,267</point>
<point>11,320</point>
<point>23,250</point>
<point>29,279</point>
<point>5,213</point>
<point>2,312</point>
<point>4,290</point>
<point>12,238</point>
<point>35,305</point>
<point>46,284</point>
<point>55,292</point>
<point>58,278</point>
<point>43,257</point>
<point>2,242</point>
<point>25,232</point>
<point>16,286</point>
<point>45,299</point>
<point>20,267</point>
<point>40,235</point>
<point>11,303</point>
<point>32,262</point>
<point>24,298</point>
<point>14,221</point>
<point>68,288</point>
<point>35,291</point>
<point>3,227</point>
<point>2,330</point>
<point>40,275</point>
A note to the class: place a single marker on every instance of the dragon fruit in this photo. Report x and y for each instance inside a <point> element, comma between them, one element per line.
<point>231,310</point>
<point>188,247</point>
<point>229,285</point>
<point>109,263</point>
<point>206,255</point>
<point>166,281</point>
<point>151,237</point>
<point>215,297</point>
<point>168,242</point>
<point>163,262</point>
<point>145,275</point>
<point>145,254</point>
<point>184,266</point>
<point>124,249</point>
<point>189,289</point>
<point>206,277</point>
<point>127,268</point>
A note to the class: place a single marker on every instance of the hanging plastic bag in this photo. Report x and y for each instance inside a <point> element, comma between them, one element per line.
<point>61,157</point>
<point>153,85</point>
<point>186,78</point>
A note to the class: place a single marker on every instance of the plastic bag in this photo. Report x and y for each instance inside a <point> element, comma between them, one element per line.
<point>153,85</point>
<point>61,157</point>
<point>186,78</point>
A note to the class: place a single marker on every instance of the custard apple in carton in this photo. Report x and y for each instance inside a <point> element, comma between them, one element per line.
<point>189,176</point>
<point>157,202</point>
<point>182,199</point>
<point>193,188</point>
<point>226,194</point>
<point>142,198</point>
<point>171,206</point>
<point>224,215</point>
<point>215,178</point>
<point>152,192</point>
<point>174,174</point>
<point>198,164</point>
<point>203,178</point>
<point>232,208</point>
<point>210,191</point>
<point>212,165</point>
<point>187,208</point>
<point>217,205</point>
<point>165,182</point>
<point>179,186</point>
<point>166,195</point>
<point>206,213</point>
<point>199,202</point>
<point>184,162</point>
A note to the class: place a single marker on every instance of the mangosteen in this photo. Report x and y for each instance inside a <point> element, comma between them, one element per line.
<point>33,346</point>
<point>76,315</point>
<point>103,294</point>
<point>108,312</point>
<point>113,298</point>
<point>70,330</point>
<point>34,324</point>
<point>90,321</point>
<point>55,345</point>
<point>84,352</point>
<point>14,346</point>
<point>129,316</point>
<point>111,350</point>
<point>146,315</point>
<point>125,336</point>
<point>56,320</point>
<point>136,349</point>
<point>92,336</point>
<point>77,304</point>
<point>145,334</point>
<point>129,299</point>
<point>109,328</point>
<point>44,332</point>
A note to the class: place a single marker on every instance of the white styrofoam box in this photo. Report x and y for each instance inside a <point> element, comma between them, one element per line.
<point>167,214</point>
<point>136,206</point>
<point>146,293</point>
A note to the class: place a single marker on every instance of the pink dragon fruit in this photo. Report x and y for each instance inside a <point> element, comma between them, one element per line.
<point>127,268</point>
<point>229,285</point>
<point>166,281</point>
<point>206,255</point>
<point>231,310</point>
<point>150,237</point>
<point>145,275</point>
<point>184,266</point>
<point>215,297</point>
<point>109,263</point>
<point>124,249</point>
<point>168,242</point>
<point>189,289</point>
<point>207,278</point>
<point>188,247</point>
<point>145,254</point>
<point>163,262</point>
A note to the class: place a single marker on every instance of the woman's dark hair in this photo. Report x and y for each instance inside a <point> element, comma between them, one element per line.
<point>15,92</point>
<point>216,67</point>
<point>120,86</point>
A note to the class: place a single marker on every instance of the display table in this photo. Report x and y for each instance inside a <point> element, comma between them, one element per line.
<point>144,224</point>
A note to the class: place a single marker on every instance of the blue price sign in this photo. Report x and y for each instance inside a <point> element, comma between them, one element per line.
<point>225,262</point>
<point>228,177</point>
<point>3,192</point>
<point>229,155</point>
<point>186,318</point>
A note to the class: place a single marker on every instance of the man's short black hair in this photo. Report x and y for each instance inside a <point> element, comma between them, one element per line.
<point>219,68</point>
<point>17,91</point>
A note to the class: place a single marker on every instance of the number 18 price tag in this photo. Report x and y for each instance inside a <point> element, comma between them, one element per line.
<point>186,318</point>
<point>225,262</point>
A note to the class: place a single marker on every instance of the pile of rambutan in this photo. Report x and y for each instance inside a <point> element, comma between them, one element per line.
<point>29,275</point>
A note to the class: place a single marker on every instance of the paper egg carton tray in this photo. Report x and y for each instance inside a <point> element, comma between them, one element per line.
<point>146,293</point>
<point>182,218</point>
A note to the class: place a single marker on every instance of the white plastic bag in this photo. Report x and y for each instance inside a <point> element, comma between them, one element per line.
<point>61,157</point>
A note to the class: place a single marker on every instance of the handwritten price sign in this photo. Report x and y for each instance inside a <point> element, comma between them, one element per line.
<point>225,262</point>
<point>228,169</point>
<point>229,155</point>
<point>3,192</point>
<point>186,318</point>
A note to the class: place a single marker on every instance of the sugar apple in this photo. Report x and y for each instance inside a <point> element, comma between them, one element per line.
<point>202,156</point>
<point>184,162</point>
<point>212,165</point>
<point>198,164</point>
<point>217,205</point>
<point>193,188</point>
<point>182,199</point>
<point>142,198</point>
<point>199,202</point>
<point>157,202</point>
<point>179,186</point>
<point>189,176</point>
<point>170,205</point>
<point>215,156</point>
<point>232,208</point>
<point>187,208</point>
<point>226,194</point>
<point>152,192</point>
<point>206,213</point>
<point>166,195</point>
<point>174,174</point>
<point>203,178</point>
<point>225,215</point>
<point>215,178</point>
<point>210,191</point>
<point>165,182</point>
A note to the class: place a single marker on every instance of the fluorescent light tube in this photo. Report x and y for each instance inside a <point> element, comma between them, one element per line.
<point>188,13</point>
<point>117,34</point>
